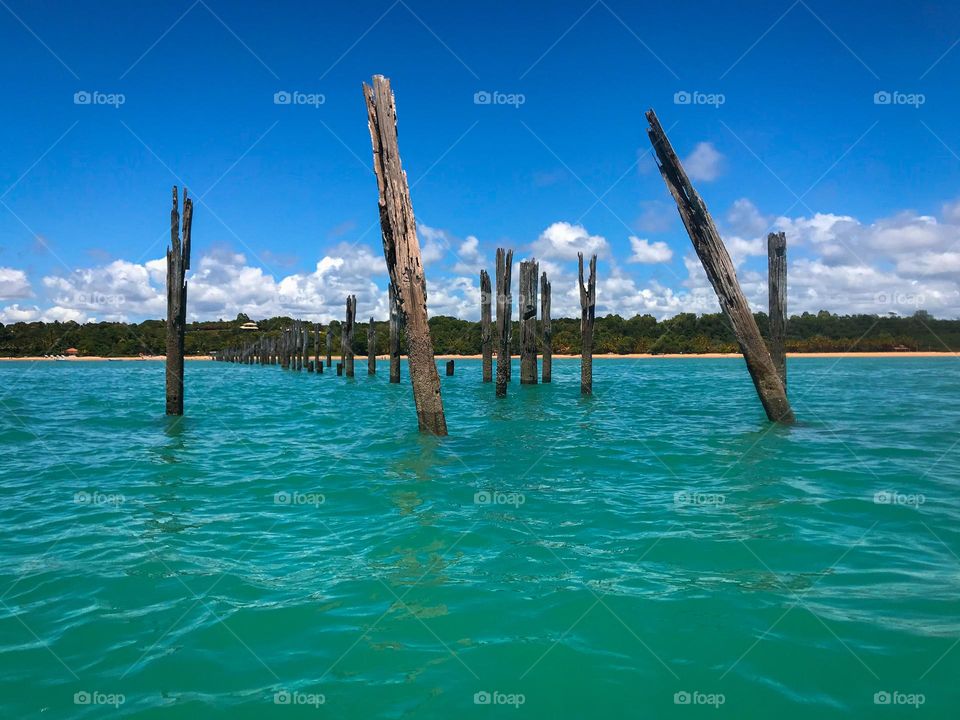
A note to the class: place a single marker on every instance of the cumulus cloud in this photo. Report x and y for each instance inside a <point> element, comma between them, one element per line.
<point>14,284</point>
<point>645,251</point>
<point>562,241</point>
<point>704,163</point>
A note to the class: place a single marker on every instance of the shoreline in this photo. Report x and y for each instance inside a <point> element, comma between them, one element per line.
<point>556,356</point>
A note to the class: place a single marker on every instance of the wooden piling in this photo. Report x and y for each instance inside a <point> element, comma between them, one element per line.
<point>588,308</point>
<point>317,362</point>
<point>371,349</point>
<point>722,275</point>
<point>339,368</point>
<point>346,335</point>
<point>394,336</point>
<point>504,318</point>
<point>401,250</point>
<point>486,336</point>
<point>329,345</point>
<point>777,291</point>
<point>546,329</point>
<point>449,368</point>
<point>178,262</point>
<point>529,270</point>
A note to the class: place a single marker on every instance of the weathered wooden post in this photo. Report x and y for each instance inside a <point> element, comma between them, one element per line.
<point>722,275</point>
<point>317,360</point>
<point>401,249</point>
<point>339,368</point>
<point>449,368</point>
<point>588,308</point>
<point>371,349</point>
<point>178,262</point>
<point>777,290</point>
<point>486,336</point>
<point>346,335</point>
<point>329,345</point>
<point>504,318</point>
<point>394,336</point>
<point>529,270</point>
<point>546,329</point>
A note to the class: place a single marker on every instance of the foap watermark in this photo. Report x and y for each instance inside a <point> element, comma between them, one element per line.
<point>99,299</point>
<point>95,697</point>
<point>683,498</point>
<point>84,497</point>
<point>494,497</point>
<point>900,299</point>
<point>485,97</point>
<point>895,97</point>
<point>685,97</point>
<point>95,97</point>
<point>298,498</point>
<point>496,697</point>
<point>895,697</point>
<point>696,697</point>
<point>892,497</point>
<point>292,697</point>
<point>295,97</point>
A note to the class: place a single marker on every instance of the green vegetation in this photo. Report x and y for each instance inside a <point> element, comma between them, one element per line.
<point>685,333</point>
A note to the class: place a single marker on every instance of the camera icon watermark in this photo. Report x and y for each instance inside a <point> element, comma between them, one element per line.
<point>295,97</point>
<point>95,697</point>
<point>84,497</point>
<point>695,97</point>
<point>292,697</point>
<point>895,697</point>
<point>684,498</point>
<point>494,497</point>
<point>892,497</point>
<point>95,97</point>
<point>485,97</point>
<point>98,299</point>
<point>695,697</point>
<point>496,697</point>
<point>895,97</point>
<point>298,498</point>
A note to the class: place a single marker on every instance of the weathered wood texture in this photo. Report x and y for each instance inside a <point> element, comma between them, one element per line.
<point>722,275</point>
<point>777,289</point>
<point>371,349</point>
<point>546,332</point>
<point>394,336</point>
<point>504,318</point>
<point>529,270</point>
<point>449,368</point>
<point>486,335</point>
<point>178,262</point>
<point>346,335</point>
<point>329,345</point>
<point>588,309</point>
<point>318,362</point>
<point>401,249</point>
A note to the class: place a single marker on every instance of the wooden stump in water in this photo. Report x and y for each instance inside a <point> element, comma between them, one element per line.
<point>486,335</point>
<point>178,262</point>
<point>329,345</point>
<point>346,335</point>
<point>339,369</point>
<point>449,368</point>
<point>371,349</point>
<point>546,329</point>
<point>777,289</point>
<point>394,336</point>
<point>529,270</point>
<point>588,307</point>
<point>401,250</point>
<point>722,275</point>
<point>318,363</point>
<point>504,318</point>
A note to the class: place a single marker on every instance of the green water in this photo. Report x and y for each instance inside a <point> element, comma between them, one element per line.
<point>658,538</point>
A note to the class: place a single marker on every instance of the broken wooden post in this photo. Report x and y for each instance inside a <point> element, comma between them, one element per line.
<point>529,270</point>
<point>329,345</point>
<point>305,343</point>
<point>401,250</point>
<point>777,289</point>
<point>588,308</point>
<point>317,362</point>
<point>504,318</point>
<point>722,275</point>
<point>449,368</point>
<point>394,336</point>
<point>346,335</point>
<point>339,368</point>
<point>486,336</point>
<point>371,349</point>
<point>178,262</point>
<point>546,329</point>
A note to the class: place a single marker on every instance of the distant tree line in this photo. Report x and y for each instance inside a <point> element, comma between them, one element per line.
<point>684,333</point>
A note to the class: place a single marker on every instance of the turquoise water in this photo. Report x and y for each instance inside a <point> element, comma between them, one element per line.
<point>293,548</point>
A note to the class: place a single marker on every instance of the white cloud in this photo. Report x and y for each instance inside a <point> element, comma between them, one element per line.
<point>645,251</point>
<point>14,284</point>
<point>704,163</point>
<point>14,314</point>
<point>562,241</point>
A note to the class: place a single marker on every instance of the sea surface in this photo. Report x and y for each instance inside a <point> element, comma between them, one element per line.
<point>292,547</point>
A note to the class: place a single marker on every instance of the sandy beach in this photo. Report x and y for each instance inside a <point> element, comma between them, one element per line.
<point>608,356</point>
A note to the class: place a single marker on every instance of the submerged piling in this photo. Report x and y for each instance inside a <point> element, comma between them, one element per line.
<point>178,262</point>
<point>346,335</point>
<point>504,319</point>
<point>588,309</point>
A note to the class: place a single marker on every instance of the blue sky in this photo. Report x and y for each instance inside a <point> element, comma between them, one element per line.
<point>287,222</point>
